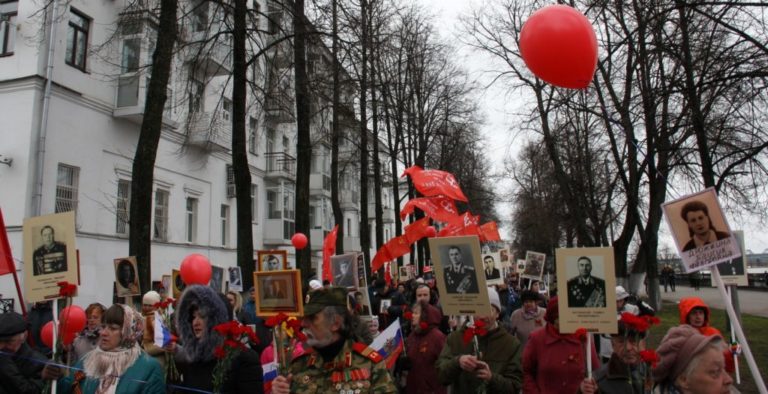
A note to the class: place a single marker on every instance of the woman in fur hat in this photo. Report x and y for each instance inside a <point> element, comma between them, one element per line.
<point>199,309</point>
<point>117,365</point>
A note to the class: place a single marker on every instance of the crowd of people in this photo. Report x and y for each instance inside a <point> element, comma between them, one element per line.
<point>517,347</point>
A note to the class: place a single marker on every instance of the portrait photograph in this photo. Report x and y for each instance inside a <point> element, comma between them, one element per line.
<point>732,272</point>
<point>534,265</point>
<point>363,301</point>
<point>459,272</point>
<point>384,305</point>
<point>127,276</point>
<point>586,284</point>
<point>278,292</point>
<point>520,266</point>
<point>344,270</point>
<point>166,281</point>
<point>272,260</point>
<point>178,283</point>
<point>217,279</point>
<point>362,279</point>
<point>235,279</point>
<point>700,230</point>
<point>50,249</point>
<point>493,269</point>
<point>403,274</point>
<point>504,255</point>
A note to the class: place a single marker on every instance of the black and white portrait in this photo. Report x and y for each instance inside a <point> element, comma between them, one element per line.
<point>126,277</point>
<point>490,267</point>
<point>459,270</point>
<point>235,279</point>
<point>272,260</point>
<point>217,279</point>
<point>343,270</point>
<point>585,288</point>
<point>50,256</point>
<point>534,265</point>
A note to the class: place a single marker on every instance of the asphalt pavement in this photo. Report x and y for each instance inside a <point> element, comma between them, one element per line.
<point>753,302</point>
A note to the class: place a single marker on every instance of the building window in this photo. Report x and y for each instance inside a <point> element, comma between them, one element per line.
<point>226,109</point>
<point>191,220</point>
<point>67,181</point>
<point>77,39</point>
<point>253,142</point>
<point>273,210</point>
<point>122,206</point>
<point>349,227</point>
<point>224,224</point>
<point>254,203</point>
<point>200,16</point>
<point>7,33</point>
<point>288,204</point>
<point>131,54</point>
<point>196,92</point>
<point>161,215</point>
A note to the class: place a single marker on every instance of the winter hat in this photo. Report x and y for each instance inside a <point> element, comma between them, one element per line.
<point>621,293</point>
<point>677,349</point>
<point>315,284</point>
<point>553,312</point>
<point>530,295</point>
<point>493,296</point>
<point>150,298</point>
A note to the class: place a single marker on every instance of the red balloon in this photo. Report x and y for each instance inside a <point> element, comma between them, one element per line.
<point>559,45</point>
<point>68,337</point>
<point>46,334</point>
<point>299,241</point>
<point>72,319</point>
<point>196,270</point>
<point>431,232</point>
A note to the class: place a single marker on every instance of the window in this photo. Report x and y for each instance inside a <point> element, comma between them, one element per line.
<point>7,33</point>
<point>161,215</point>
<point>191,220</point>
<point>288,204</point>
<point>77,39</point>
<point>253,142</point>
<point>200,16</point>
<point>224,224</point>
<point>67,182</point>
<point>273,210</point>
<point>312,216</point>
<point>254,203</point>
<point>196,92</point>
<point>131,53</point>
<point>122,206</point>
<point>349,227</point>
<point>226,109</point>
<point>270,141</point>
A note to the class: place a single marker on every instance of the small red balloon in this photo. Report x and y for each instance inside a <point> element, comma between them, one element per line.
<point>559,45</point>
<point>299,241</point>
<point>196,270</point>
<point>72,319</point>
<point>46,334</point>
<point>431,232</point>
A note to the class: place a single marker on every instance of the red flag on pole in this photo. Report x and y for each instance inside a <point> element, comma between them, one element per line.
<point>490,231</point>
<point>416,230</point>
<point>391,250</point>
<point>329,249</point>
<point>381,257</point>
<point>435,182</point>
<point>6,257</point>
<point>438,208</point>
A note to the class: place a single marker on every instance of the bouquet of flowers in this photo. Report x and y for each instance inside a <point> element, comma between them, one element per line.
<point>171,372</point>
<point>286,331</point>
<point>236,337</point>
<point>475,328</point>
<point>641,324</point>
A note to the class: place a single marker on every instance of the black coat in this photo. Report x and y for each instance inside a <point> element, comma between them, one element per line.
<point>20,373</point>
<point>244,375</point>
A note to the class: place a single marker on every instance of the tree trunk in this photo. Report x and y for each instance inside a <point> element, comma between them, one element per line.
<point>379,209</point>
<point>142,176</point>
<point>338,215</point>
<point>365,236</point>
<point>304,144</point>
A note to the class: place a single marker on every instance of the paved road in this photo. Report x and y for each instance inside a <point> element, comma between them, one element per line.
<point>753,302</point>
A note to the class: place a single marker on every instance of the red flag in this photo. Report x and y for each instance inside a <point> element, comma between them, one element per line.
<point>6,257</point>
<point>435,182</point>
<point>388,275</point>
<point>381,257</point>
<point>393,249</point>
<point>439,208</point>
<point>490,231</point>
<point>466,224</point>
<point>416,230</point>
<point>329,249</point>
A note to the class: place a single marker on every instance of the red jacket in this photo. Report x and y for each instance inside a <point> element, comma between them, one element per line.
<point>686,305</point>
<point>554,363</point>
<point>423,349</point>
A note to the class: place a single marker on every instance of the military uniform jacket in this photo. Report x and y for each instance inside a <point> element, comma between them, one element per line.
<point>462,280</point>
<point>588,293</point>
<point>356,369</point>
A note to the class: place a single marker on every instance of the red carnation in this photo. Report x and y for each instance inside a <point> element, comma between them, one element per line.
<point>408,315</point>
<point>276,320</point>
<point>650,357</point>
<point>219,352</point>
<point>66,289</point>
<point>581,334</point>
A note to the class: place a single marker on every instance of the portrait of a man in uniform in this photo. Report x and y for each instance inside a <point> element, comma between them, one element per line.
<point>586,290</point>
<point>460,276</point>
<point>51,256</point>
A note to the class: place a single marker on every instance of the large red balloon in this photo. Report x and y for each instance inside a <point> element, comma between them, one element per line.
<point>68,338</point>
<point>431,232</point>
<point>559,45</point>
<point>46,334</point>
<point>299,241</point>
<point>72,319</point>
<point>196,270</point>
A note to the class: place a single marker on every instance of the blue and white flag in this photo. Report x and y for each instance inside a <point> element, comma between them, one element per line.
<point>162,333</point>
<point>389,343</point>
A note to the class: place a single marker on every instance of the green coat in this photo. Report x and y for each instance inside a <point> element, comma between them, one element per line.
<point>356,369</point>
<point>498,348</point>
<point>144,376</point>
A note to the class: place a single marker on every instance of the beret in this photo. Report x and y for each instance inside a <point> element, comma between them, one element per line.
<point>12,323</point>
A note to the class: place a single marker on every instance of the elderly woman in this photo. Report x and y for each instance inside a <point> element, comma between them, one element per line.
<point>87,339</point>
<point>691,363</point>
<point>528,318</point>
<point>117,365</point>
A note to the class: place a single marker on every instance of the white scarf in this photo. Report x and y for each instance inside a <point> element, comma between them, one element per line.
<point>107,367</point>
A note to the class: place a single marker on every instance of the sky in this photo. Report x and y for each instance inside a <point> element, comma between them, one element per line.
<point>498,108</point>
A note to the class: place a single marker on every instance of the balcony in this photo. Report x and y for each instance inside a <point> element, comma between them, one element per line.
<point>131,99</point>
<point>278,108</point>
<point>209,132</point>
<point>278,231</point>
<point>212,56</point>
<point>280,165</point>
<point>388,214</point>
<point>320,184</point>
<point>350,199</point>
<point>351,244</point>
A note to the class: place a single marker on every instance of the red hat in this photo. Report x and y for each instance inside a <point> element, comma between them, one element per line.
<point>552,311</point>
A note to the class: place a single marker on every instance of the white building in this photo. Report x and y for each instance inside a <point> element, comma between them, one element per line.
<point>81,132</point>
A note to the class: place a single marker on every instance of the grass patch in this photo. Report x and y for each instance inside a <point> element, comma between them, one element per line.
<point>754,329</point>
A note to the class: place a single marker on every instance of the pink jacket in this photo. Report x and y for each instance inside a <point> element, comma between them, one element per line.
<point>554,363</point>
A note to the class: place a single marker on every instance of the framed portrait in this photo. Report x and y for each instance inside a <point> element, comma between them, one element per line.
<point>362,277</point>
<point>278,292</point>
<point>701,232</point>
<point>362,300</point>
<point>504,256</point>
<point>520,266</point>
<point>384,305</point>
<point>492,269</point>
<point>534,265</point>
<point>344,270</point>
<point>403,274</point>
<point>217,279</point>
<point>127,276</point>
<point>458,269</point>
<point>272,260</point>
<point>49,244</point>
<point>177,283</point>
<point>586,283</point>
<point>734,272</point>
<point>235,279</point>
<point>166,280</point>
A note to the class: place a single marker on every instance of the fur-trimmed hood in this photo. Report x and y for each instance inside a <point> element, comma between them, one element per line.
<point>210,305</point>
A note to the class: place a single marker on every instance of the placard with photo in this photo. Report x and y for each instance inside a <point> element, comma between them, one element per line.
<point>217,279</point>
<point>278,292</point>
<point>166,281</point>
<point>492,269</point>
<point>127,276</point>
<point>701,232</point>
<point>272,260</point>
<point>362,300</point>
<point>585,284</point>
<point>362,277</point>
<point>235,279</point>
<point>534,265</point>
<point>458,269</point>
<point>49,246</point>
<point>733,272</point>
<point>344,270</point>
<point>520,266</point>
<point>178,283</point>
